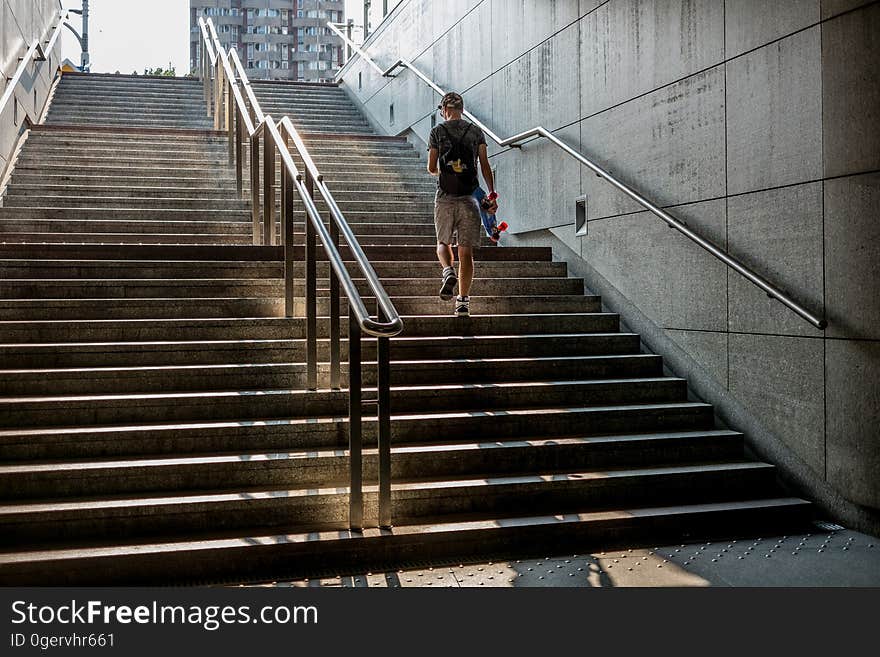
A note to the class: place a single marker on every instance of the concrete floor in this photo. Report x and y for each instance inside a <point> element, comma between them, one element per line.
<point>829,557</point>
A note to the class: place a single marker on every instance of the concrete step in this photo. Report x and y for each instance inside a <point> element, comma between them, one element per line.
<point>342,124</point>
<point>124,239</point>
<point>191,180</point>
<point>133,151</point>
<point>183,308</point>
<point>317,138</point>
<point>138,81</point>
<point>355,170</point>
<point>284,434</point>
<point>86,158</point>
<point>14,199</point>
<point>51,169</point>
<point>277,328</point>
<point>291,555</point>
<point>400,210</point>
<point>68,147</point>
<point>90,269</point>
<point>122,120</point>
<point>251,253</point>
<point>265,94</point>
<point>313,111</point>
<point>361,146</point>
<point>134,108</point>
<point>254,376</point>
<point>68,98</point>
<point>395,158</point>
<point>80,190</point>
<point>192,351</point>
<point>45,523</point>
<point>75,135</point>
<point>102,234</point>
<point>9,215</point>
<point>199,287</point>
<point>334,130</point>
<point>341,187</point>
<point>142,115</point>
<point>83,410</point>
<point>323,467</point>
<point>178,308</point>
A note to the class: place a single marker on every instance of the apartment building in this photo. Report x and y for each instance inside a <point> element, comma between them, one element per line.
<point>276,39</point>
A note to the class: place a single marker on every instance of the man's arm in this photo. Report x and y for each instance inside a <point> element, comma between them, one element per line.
<point>486,168</point>
<point>433,156</point>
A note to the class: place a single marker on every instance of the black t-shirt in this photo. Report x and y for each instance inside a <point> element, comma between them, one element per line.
<point>440,139</point>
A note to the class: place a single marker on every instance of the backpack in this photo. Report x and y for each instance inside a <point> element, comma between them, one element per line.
<point>458,175</point>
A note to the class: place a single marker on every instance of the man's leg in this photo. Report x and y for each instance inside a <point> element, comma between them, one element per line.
<point>445,255</point>
<point>444,225</point>
<point>465,269</point>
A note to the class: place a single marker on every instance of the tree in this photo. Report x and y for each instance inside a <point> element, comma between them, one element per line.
<point>169,72</point>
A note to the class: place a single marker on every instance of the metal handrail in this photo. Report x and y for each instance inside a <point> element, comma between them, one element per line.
<point>378,329</point>
<point>236,114</point>
<point>28,57</point>
<point>248,88</point>
<point>34,53</point>
<point>539,131</point>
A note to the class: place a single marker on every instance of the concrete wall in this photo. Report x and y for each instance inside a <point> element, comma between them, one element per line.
<point>757,123</point>
<point>21,22</point>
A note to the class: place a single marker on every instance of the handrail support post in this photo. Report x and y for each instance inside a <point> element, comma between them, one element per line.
<point>355,427</point>
<point>268,190</point>
<point>383,387</point>
<point>289,246</point>
<point>311,295</point>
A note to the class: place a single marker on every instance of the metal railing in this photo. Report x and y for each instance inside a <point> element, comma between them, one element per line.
<point>237,116</point>
<point>515,142</point>
<point>39,51</point>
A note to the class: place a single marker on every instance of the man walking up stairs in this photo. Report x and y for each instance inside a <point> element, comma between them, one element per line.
<point>155,426</point>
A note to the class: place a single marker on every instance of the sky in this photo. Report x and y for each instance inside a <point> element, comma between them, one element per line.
<point>125,37</point>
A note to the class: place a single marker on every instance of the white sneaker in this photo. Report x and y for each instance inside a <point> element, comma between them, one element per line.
<point>450,280</point>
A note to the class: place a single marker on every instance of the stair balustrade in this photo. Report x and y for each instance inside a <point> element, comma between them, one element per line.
<point>223,83</point>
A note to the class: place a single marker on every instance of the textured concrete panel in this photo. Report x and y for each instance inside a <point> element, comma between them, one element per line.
<point>778,234</point>
<point>14,38</point>
<point>587,6</point>
<point>780,380</point>
<point>630,47</point>
<point>851,92</point>
<point>539,88</point>
<point>774,115</point>
<point>412,98</point>
<point>377,108</point>
<point>708,348</point>
<point>750,24</point>
<point>852,256</point>
<point>539,184</point>
<point>833,7</point>
<point>364,81</point>
<point>445,15</point>
<point>668,145</point>
<point>520,25</point>
<point>417,31</point>
<point>645,260</point>
<point>853,404</point>
<point>463,56</point>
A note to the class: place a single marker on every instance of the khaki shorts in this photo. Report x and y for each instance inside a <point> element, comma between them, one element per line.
<point>457,221</point>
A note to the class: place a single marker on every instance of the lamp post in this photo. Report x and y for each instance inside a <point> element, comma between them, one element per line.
<point>83,39</point>
<point>367,4</point>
